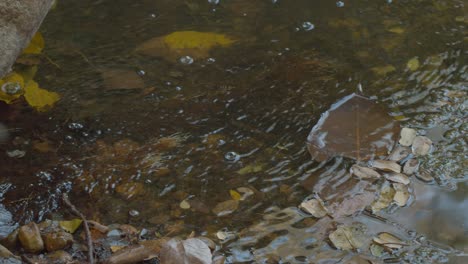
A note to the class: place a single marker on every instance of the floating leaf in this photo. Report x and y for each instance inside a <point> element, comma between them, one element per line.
<point>407,136</point>
<point>315,207</point>
<point>184,43</point>
<point>39,98</point>
<point>70,226</point>
<point>36,45</point>
<point>11,87</point>
<point>354,127</point>
<point>235,195</point>
<point>349,237</point>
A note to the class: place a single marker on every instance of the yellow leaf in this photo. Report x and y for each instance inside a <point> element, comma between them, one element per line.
<point>39,98</point>
<point>70,226</point>
<point>251,168</point>
<point>116,248</point>
<point>184,43</point>
<point>194,39</point>
<point>11,87</point>
<point>413,64</point>
<point>36,45</point>
<point>235,195</point>
<point>396,30</point>
<point>383,70</point>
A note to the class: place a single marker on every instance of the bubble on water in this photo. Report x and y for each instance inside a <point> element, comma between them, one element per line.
<point>11,88</point>
<point>168,83</point>
<point>340,4</point>
<point>308,26</point>
<point>213,2</point>
<point>75,126</point>
<point>274,1</point>
<point>186,60</point>
<point>211,60</point>
<point>133,213</point>
<point>141,72</point>
<point>232,156</point>
<point>178,88</point>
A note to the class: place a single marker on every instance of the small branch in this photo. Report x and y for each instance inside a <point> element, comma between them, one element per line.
<point>86,227</point>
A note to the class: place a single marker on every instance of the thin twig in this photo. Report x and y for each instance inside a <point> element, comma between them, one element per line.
<point>86,227</point>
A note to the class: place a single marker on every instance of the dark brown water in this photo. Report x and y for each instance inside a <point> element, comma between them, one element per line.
<point>148,149</point>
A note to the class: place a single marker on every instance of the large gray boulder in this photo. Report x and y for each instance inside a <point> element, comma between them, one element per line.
<point>19,20</point>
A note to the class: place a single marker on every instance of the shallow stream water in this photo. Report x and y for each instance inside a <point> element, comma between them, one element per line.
<point>256,101</point>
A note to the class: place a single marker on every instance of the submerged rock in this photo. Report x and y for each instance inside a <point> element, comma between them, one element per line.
<point>30,238</point>
<point>57,240</point>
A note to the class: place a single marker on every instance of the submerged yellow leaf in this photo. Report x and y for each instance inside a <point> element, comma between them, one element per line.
<point>194,39</point>
<point>38,97</point>
<point>36,45</point>
<point>235,195</point>
<point>413,64</point>
<point>396,30</point>
<point>383,70</point>
<point>11,87</point>
<point>184,43</point>
<point>251,168</point>
<point>70,226</point>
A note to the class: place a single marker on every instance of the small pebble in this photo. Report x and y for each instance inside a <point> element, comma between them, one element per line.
<point>407,136</point>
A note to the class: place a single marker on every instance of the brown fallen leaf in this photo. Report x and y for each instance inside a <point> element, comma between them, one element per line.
<point>354,127</point>
<point>315,207</point>
<point>353,205</point>
<point>189,251</point>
